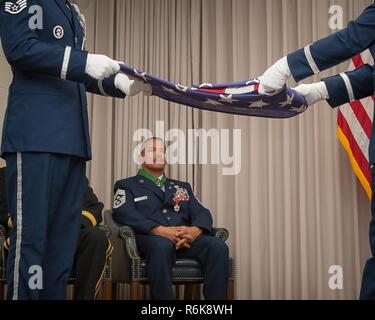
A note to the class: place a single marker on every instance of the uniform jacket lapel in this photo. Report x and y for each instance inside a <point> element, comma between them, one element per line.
<point>169,191</point>
<point>66,11</point>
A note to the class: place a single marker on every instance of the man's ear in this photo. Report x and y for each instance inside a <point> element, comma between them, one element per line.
<point>141,159</point>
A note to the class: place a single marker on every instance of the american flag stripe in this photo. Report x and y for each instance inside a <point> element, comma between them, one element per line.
<point>363,177</point>
<point>360,156</point>
<point>354,128</point>
<point>241,90</point>
<point>217,91</point>
<point>361,114</point>
<point>358,61</point>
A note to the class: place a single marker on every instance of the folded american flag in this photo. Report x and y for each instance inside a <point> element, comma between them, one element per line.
<point>239,98</point>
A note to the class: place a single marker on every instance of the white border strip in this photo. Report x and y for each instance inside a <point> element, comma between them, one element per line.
<point>16,274</point>
<point>64,69</point>
<point>311,60</point>
<point>101,88</point>
<point>348,85</point>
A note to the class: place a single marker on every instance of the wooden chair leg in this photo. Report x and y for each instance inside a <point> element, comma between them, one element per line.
<point>135,290</point>
<point>189,289</point>
<point>73,286</point>
<point>197,291</point>
<point>177,292</point>
<point>107,290</point>
<point>114,290</point>
<point>230,292</point>
<point>1,291</point>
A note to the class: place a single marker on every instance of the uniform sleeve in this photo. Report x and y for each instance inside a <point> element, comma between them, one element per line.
<point>92,209</point>
<point>23,48</point>
<point>336,48</point>
<point>125,212</point>
<point>350,86</point>
<point>104,87</point>
<point>200,216</point>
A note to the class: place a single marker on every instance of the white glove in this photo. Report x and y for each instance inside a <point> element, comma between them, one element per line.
<point>274,79</point>
<point>130,87</point>
<point>100,67</point>
<point>313,92</point>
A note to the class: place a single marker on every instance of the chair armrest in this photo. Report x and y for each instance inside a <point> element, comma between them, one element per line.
<point>106,229</point>
<point>128,235</point>
<point>2,232</point>
<point>120,257</point>
<point>222,234</point>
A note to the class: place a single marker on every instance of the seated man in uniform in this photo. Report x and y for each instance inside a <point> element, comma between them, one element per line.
<point>92,250</point>
<point>169,222</point>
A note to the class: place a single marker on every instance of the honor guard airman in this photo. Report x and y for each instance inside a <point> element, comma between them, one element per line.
<point>45,138</point>
<point>358,36</point>
<point>93,247</point>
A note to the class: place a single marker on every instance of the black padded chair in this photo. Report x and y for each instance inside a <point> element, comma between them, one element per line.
<point>186,272</point>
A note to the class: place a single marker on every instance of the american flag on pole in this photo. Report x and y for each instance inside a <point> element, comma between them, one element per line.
<point>354,127</point>
<point>241,98</point>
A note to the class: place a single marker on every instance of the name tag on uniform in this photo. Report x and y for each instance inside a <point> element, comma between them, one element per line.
<point>140,199</point>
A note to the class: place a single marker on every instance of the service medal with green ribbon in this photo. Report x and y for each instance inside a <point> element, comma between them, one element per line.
<point>158,182</point>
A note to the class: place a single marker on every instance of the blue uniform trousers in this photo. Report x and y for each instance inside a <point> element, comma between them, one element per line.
<point>160,254</point>
<point>368,279</point>
<point>45,198</point>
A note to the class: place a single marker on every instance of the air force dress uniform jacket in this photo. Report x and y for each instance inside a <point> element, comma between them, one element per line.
<point>358,36</point>
<point>142,205</point>
<point>43,41</point>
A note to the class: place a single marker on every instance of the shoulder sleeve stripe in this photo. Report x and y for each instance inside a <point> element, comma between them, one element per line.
<point>65,65</point>
<point>101,88</point>
<point>348,85</point>
<point>311,60</point>
<point>90,216</point>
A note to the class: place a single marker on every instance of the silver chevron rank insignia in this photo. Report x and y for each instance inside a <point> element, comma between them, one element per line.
<point>15,8</point>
